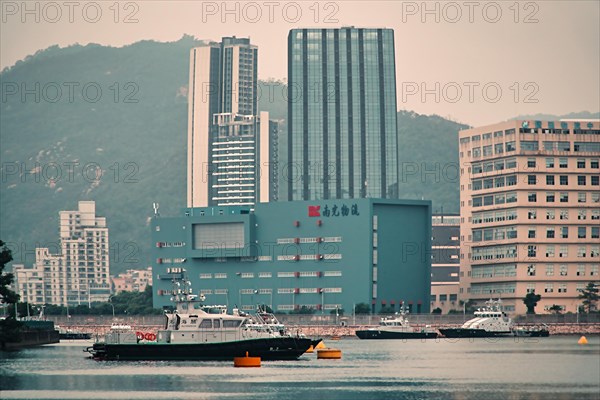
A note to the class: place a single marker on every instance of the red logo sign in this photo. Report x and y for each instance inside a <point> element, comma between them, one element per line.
<point>314,211</point>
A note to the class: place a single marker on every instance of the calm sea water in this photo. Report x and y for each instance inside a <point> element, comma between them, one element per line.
<point>460,369</point>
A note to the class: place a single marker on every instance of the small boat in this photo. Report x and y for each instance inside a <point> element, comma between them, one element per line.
<point>397,327</point>
<point>194,331</point>
<point>533,331</point>
<point>489,321</point>
<point>72,334</point>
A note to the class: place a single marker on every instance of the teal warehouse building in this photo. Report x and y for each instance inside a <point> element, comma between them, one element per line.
<point>320,254</point>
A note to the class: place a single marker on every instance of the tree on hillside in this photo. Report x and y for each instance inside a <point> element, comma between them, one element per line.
<point>9,327</point>
<point>590,296</point>
<point>530,301</point>
<point>362,308</point>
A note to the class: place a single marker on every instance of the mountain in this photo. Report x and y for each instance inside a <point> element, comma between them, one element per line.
<point>110,124</point>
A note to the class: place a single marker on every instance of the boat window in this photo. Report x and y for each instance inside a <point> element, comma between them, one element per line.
<point>206,323</point>
<point>216,323</point>
<point>231,323</point>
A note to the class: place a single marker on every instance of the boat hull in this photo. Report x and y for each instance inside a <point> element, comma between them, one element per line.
<point>472,333</point>
<point>381,334</point>
<point>287,348</point>
<point>75,336</point>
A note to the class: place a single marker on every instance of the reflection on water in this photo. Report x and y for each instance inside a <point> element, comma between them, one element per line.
<point>464,369</point>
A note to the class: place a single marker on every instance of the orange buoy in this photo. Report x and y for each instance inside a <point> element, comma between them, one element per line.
<point>329,354</point>
<point>246,361</point>
<point>311,349</point>
<point>582,340</point>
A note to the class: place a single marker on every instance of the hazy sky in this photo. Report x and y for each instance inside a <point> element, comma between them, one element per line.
<point>477,62</point>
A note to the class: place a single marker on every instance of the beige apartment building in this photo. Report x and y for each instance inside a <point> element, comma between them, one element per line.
<point>530,212</point>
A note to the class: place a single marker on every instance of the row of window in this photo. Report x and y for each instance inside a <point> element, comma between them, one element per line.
<point>509,163</point>
<point>563,232</point>
<point>510,251</point>
<point>551,129</point>
<point>280,274</point>
<point>564,270</point>
<point>563,180</point>
<point>444,297</point>
<point>490,200</point>
<point>509,147</point>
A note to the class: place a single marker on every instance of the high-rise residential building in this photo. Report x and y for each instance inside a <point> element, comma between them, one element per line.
<point>530,212</point>
<point>228,139</point>
<point>77,272</point>
<point>445,262</point>
<point>342,136</point>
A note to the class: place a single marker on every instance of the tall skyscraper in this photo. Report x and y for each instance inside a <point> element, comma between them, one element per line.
<point>342,136</point>
<point>530,212</point>
<point>228,139</point>
<point>77,272</point>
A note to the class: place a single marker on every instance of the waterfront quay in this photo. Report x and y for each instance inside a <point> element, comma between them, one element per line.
<point>339,326</point>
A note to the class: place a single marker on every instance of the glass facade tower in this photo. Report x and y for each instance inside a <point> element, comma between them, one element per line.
<point>342,130</point>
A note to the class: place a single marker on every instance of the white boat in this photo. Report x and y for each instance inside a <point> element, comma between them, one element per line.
<point>489,321</point>
<point>397,327</point>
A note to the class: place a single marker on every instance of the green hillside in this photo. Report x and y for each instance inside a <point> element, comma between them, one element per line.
<point>53,147</point>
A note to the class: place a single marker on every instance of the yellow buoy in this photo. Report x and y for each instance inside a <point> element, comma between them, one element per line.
<point>311,349</point>
<point>321,345</point>
<point>246,361</point>
<point>329,354</point>
<point>582,340</point>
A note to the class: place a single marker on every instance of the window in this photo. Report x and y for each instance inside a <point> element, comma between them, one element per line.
<point>564,197</point>
<point>595,180</point>
<point>581,270</point>
<point>595,234</point>
<point>549,179</point>
<point>549,288</point>
<point>564,232</point>
<point>581,180</point>
<point>580,163</point>
<point>531,214</point>
<point>595,215</point>
<point>595,197</point>
<point>562,162</point>
<point>594,163</point>
<point>595,251</point>
<point>510,146</point>
<point>531,251</point>
<point>531,233</point>
<point>562,288</point>
<point>550,250</point>
<point>477,152</point>
<point>531,180</point>
<point>564,180</point>
<point>487,150</point>
<point>581,197</point>
<point>499,182</point>
<point>532,197</point>
<point>581,232</point>
<point>531,163</point>
<point>511,180</point>
<point>581,214</point>
<point>499,148</point>
<point>563,270</point>
<point>530,146</point>
<point>549,162</point>
<point>549,269</point>
<point>594,270</point>
<point>563,251</point>
<point>531,270</point>
<point>564,214</point>
<point>550,233</point>
<point>511,163</point>
<point>530,287</point>
<point>477,168</point>
<point>549,214</point>
<point>580,251</point>
<point>550,197</point>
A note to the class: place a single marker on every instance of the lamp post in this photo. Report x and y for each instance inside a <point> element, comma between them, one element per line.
<point>112,305</point>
